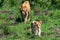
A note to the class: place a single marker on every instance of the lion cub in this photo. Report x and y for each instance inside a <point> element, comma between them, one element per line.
<point>36,27</point>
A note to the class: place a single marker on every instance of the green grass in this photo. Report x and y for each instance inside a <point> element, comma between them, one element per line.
<point>21,34</point>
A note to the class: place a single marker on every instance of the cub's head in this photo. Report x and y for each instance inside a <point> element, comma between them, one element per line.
<point>36,23</point>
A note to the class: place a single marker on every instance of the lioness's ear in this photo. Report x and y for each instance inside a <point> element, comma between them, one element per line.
<point>26,1</point>
<point>19,7</point>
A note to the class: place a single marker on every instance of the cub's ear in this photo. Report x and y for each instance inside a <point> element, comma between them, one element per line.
<point>40,22</point>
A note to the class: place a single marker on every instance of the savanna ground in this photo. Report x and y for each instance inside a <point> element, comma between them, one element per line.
<point>10,30</point>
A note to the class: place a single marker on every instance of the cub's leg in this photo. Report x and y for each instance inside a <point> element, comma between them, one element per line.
<point>36,32</point>
<point>39,32</point>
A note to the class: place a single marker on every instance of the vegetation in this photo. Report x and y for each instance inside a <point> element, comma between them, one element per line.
<point>11,27</point>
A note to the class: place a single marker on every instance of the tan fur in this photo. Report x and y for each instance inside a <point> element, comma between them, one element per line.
<point>36,27</point>
<point>25,8</point>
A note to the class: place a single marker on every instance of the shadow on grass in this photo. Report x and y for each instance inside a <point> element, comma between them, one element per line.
<point>18,20</point>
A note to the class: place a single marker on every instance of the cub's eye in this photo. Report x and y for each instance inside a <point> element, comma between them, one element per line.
<point>35,22</point>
